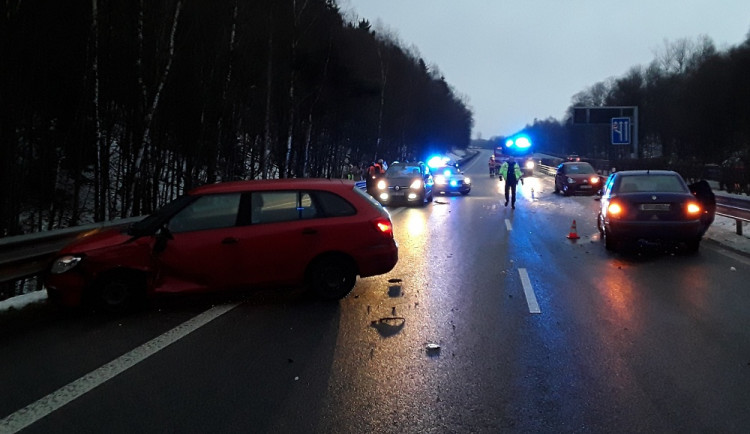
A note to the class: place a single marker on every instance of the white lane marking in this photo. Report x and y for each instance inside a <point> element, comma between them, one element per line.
<point>508,225</point>
<point>66,394</point>
<point>529,291</point>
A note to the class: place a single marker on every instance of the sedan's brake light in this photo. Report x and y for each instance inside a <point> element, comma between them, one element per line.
<point>693,208</point>
<point>614,209</point>
<point>384,226</point>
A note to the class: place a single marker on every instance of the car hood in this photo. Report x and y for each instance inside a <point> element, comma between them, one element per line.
<point>96,239</point>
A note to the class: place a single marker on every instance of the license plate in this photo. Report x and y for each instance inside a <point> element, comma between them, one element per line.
<point>397,193</point>
<point>654,207</point>
<point>585,187</point>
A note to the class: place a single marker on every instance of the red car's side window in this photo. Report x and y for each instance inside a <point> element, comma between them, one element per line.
<point>212,211</point>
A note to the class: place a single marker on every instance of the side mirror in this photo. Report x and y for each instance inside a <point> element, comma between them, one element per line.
<point>163,235</point>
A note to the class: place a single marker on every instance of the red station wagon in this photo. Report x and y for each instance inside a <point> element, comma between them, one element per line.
<point>315,232</point>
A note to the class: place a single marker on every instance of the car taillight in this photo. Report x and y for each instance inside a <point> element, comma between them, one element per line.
<point>614,209</point>
<point>693,208</point>
<point>384,226</point>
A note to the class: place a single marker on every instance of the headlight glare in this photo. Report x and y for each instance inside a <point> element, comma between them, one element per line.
<point>440,180</point>
<point>416,184</point>
<point>382,185</point>
<point>65,263</point>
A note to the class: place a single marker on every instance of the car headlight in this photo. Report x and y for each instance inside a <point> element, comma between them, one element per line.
<point>467,180</point>
<point>594,180</point>
<point>381,185</point>
<point>416,184</point>
<point>65,263</point>
<point>440,180</point>
<point>571,181</point>
<point>530,165</point>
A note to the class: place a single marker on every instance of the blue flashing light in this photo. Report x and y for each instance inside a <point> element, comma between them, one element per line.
<point>509,143</point>
<point>523,142</point>
<point>437,161</point>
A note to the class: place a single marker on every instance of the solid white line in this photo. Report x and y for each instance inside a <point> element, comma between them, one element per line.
<point>529,291</point>
<point>66,394</point>
<point>508,225</point>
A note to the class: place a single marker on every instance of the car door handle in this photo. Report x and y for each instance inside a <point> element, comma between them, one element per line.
<point>309,231</point>
<point>229,240</point>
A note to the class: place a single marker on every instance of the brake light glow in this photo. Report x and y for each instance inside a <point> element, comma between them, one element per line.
<point>614,209</point>
<point>384,226</point>
<point>693,208</point>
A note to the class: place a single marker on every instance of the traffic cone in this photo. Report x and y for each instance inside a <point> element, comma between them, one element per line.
<point>573,235</point>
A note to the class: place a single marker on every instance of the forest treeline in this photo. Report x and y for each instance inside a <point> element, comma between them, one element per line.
<point>111,108</point>
<point>693,105</point>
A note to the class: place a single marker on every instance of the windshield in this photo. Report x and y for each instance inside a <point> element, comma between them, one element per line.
<point>150,224</point>
<point>402,171</point>
<point>581,169</point>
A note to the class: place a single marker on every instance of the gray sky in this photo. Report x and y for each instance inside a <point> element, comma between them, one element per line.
<point>519,60</point>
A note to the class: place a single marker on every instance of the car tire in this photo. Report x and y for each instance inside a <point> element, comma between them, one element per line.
<point>464,193</point>
<point>332,277</point>
<point>610,243</point>
<point>120,292</point>
<point>692,246</point>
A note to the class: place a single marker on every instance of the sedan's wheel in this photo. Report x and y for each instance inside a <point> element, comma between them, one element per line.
<point>332,278</point>
<point>609,241</point>
<point>692,246</point>
<point>120,292</point>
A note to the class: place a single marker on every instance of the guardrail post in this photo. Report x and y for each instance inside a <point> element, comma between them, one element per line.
<point>739,226</point>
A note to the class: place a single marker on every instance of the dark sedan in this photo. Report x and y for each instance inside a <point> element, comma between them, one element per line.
<point>652,206</point>
<point>576,177</point>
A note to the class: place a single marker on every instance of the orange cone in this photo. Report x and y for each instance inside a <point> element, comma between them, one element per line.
<point>573,235</point>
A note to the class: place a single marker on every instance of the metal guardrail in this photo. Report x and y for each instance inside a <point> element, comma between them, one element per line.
<point>25,256</point>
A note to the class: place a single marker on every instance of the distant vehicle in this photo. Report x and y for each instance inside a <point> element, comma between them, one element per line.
<point>653,206</point>
<point>577,178</point>
<point>316,232</point>
<point>522,149</point>
<point>405,183</point>
<point>450,179</point>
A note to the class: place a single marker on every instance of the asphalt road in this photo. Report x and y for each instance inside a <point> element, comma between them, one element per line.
<point>492,321</point>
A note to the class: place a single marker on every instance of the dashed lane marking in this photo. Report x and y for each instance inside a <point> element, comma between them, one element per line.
<point>529,291</point>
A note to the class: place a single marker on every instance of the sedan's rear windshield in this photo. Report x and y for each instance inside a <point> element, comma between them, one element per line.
<point>651,183</point>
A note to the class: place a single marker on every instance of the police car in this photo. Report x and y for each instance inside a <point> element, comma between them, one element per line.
<point>450,179</point>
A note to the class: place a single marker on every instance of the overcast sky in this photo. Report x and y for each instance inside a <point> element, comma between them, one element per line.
<point>519,60</point>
